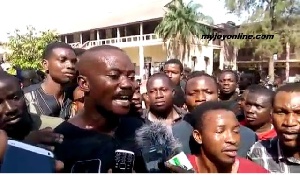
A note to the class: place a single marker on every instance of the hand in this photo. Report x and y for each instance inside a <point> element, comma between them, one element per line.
<point>45,138</point>
<point>3,144</point>
<point>177,169</point>
<point>184,107</point>
<point>59,165</point>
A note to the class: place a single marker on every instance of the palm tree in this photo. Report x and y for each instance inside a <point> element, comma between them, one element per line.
<point>180,27</point>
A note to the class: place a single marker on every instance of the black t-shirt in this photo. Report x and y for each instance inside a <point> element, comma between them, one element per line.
<point>80,145</point>
<point>125,134</point>
<point>179,97</point>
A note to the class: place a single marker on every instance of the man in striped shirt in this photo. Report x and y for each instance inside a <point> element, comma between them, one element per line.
<point>282,153</point>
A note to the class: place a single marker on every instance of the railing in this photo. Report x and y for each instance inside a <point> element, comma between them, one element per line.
<point>76,45</point>
<point>112,41</point>
<point>129,39</point>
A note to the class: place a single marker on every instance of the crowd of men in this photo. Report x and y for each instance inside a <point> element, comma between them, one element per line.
<point>89,104</point>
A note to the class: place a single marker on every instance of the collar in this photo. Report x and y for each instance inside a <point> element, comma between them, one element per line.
<point>178,110</point>
<point>234,97</point>
<point>281,156</point>
<point>279,151</point>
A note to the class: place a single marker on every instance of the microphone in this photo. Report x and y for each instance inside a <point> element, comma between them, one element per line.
<point>158,145</point>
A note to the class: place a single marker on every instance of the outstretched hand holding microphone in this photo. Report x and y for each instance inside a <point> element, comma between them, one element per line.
<point>161,152</point>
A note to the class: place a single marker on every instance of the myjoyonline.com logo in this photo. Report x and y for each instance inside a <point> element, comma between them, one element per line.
<point>238,36</point>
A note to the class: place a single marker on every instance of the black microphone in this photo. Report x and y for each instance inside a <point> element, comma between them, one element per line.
<point>157,145</point>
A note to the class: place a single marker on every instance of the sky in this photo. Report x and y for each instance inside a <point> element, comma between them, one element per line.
<point>45,14</point>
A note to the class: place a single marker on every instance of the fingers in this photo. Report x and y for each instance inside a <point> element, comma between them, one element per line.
<point>48,136</point>
<point>177,169</point>
<point>59,165</point>
<point>109,171</point>
<point>44,136</point>
<point>47,147</point>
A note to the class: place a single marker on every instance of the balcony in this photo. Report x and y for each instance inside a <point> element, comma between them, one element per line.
<point>134,41</point>
<point>127,41</point>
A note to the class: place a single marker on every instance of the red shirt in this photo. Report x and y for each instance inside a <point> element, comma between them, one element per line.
<point>243,122</point>
<point>245,166</point>
<point>267,135</point>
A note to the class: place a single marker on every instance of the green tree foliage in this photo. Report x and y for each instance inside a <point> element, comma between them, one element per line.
<point>180,25</point>
<point>278,17</point>
<point>26,49</point>
<point>264,17</point>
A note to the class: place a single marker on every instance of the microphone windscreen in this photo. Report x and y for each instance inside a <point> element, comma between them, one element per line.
<point>156,134</point>
<point>157,145</point>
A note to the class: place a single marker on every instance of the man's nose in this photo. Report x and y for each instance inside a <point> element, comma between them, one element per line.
<point>135,96</point>
<point>9,107</point>
<point>159,94</point>
<point>290,120</point>
<point>201,97</point>
<point>250,109</point>
<point>70,64</point>
<point>169,74</point>
<point>225,83</point>
<point>230,137</point>
<point>126,83</point>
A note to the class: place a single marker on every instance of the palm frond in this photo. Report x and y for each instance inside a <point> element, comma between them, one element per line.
<point>180,26</point>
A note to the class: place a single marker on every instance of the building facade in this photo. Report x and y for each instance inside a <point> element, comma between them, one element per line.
<point>287,65</point>
<point>134,33</point>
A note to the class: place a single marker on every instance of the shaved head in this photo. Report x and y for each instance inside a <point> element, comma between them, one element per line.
<point>106,76</point>
<point>100,54</point>
<point>160,75</point>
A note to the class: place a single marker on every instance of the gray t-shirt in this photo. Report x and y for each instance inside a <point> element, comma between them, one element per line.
<point>182,131</point>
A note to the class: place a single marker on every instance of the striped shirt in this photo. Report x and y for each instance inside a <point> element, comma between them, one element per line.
<point>268,154</point>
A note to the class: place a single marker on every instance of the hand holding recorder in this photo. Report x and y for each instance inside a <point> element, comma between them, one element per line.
<point>44,138</point>
<point>24,158</point>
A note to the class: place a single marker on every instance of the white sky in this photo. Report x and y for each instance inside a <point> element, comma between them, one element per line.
<point>52,14</point>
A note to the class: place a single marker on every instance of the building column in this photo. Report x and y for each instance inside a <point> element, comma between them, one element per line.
<point>80,38</point>
<point>221,59</point>
<point>141,53</point>
<point>118,34</point>
<point>210,61</point>
<point>125,31</point>
<point>141,61</point>
<point>141,30</point>
<point>66,39</point>
<point>98,35</point>
<point>234,59</point>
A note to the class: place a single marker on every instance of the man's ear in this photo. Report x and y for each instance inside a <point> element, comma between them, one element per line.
<point>83,83</point>
<point>173,92</point>
<point>45,65</point>
<point>197,136</point>
<point>181,75</point>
